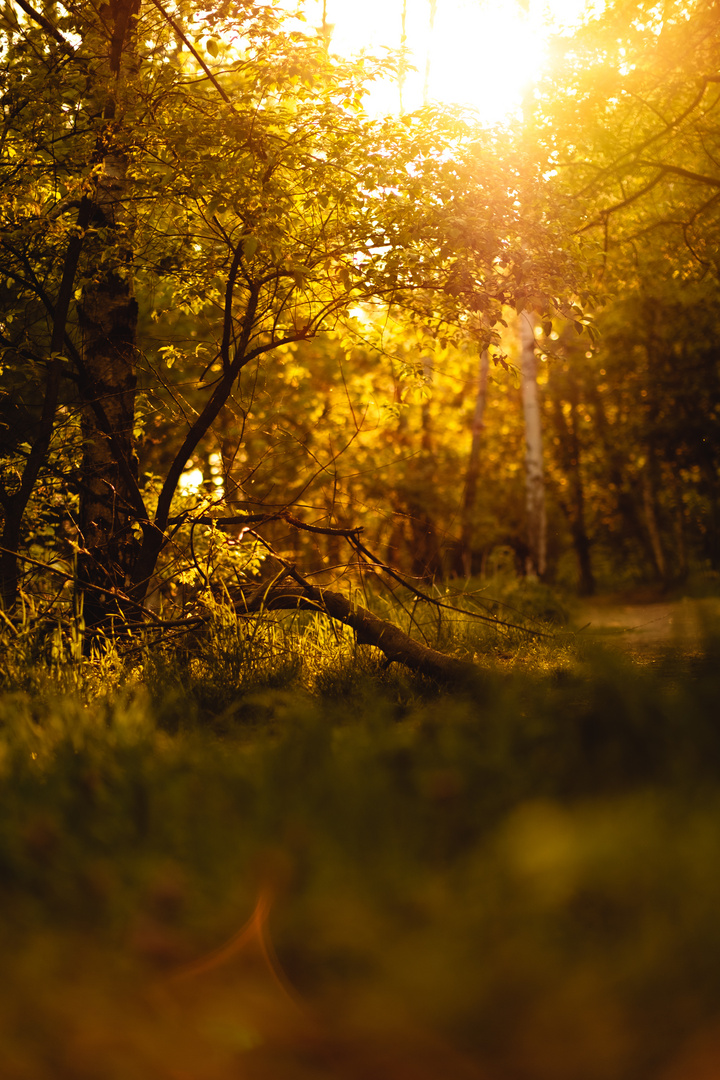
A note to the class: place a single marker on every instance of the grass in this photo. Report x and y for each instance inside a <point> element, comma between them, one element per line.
<point>264,854</point>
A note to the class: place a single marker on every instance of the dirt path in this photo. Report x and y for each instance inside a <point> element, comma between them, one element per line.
<point>682,626</point>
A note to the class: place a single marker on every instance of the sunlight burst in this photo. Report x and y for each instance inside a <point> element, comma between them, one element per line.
<point>478,53</point>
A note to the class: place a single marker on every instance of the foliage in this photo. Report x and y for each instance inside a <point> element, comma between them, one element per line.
<point>519,883</point>
<point>219,168</point>
<point>632,121</point>
<point>263,206</point>
<point>628,117</point>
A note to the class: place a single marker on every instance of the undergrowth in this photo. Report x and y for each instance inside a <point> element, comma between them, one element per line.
<point>518,882</point>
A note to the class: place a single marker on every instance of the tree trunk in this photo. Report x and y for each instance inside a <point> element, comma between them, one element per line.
<point>472,474</point>
<point>679,523</point>
<point>108,323</point>
<point>534,470</point>
<point>432,12</point>
<point>651,522</point>
<point>569,460</point>
<point>426,553</point>
<point>402,69</point>
<point>618,471</point>
<point>709,488</point>
<point>9,569</point>
<point>650,473</point>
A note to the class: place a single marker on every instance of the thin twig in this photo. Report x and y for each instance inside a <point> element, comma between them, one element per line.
<point>439,603</point>
<point>171,22</point>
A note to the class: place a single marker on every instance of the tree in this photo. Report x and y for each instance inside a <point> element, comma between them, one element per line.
<point>187,195</point>
<point>564,405</point>
<point>630,114</point>
<point>472,474</point>
<point>534,464</point>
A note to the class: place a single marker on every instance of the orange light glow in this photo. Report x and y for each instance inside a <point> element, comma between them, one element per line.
<point>253,934</point>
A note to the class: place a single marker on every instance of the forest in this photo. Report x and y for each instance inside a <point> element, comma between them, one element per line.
<point>360,550</point>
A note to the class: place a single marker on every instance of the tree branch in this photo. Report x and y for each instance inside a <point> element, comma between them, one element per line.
<point>260,519</point>
<point>171,22</point>
<point>688,174</point>
<point>605,214</point>
<point>669,125</point>
<point>46,25</point>
<point>227,316</point>
<point>397,646</point>
<point>207,416</point>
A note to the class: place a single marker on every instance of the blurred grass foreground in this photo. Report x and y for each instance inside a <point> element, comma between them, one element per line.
<point>213,867</point>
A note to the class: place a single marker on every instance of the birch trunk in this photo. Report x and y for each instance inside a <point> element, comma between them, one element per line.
<point>534,470</point>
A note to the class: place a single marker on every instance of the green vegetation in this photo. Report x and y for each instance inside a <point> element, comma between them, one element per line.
<point>518,880</point>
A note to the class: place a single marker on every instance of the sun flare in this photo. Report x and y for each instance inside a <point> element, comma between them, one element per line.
<point>479,53</point>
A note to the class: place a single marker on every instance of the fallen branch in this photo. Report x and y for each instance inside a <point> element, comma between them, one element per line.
<point>352,535</point>
<point>397,646</point>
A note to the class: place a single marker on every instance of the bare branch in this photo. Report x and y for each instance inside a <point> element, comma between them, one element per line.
<point>688,174</point>
<point>171,22</point>
<point>227,316</point>
<point>605,214</point>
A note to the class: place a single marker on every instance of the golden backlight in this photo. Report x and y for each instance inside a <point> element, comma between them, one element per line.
<point>480,53</point>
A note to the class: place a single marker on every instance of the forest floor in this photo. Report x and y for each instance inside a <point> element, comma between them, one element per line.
<point>650,630</point>
<point>211,872</point>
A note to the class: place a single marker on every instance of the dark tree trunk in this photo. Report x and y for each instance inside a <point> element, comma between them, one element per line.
<point>568,451</point>
<point>670,478</point>
<point>108,319</point>
<point>9,568</point>
<point>650,473</point>
<point>108,323</point>
<point>625,502</point>
<point>650,513</point>
<point>426,554</point>
<point>709,488</point>
<point>472,474</point>
<point>15,503</point>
